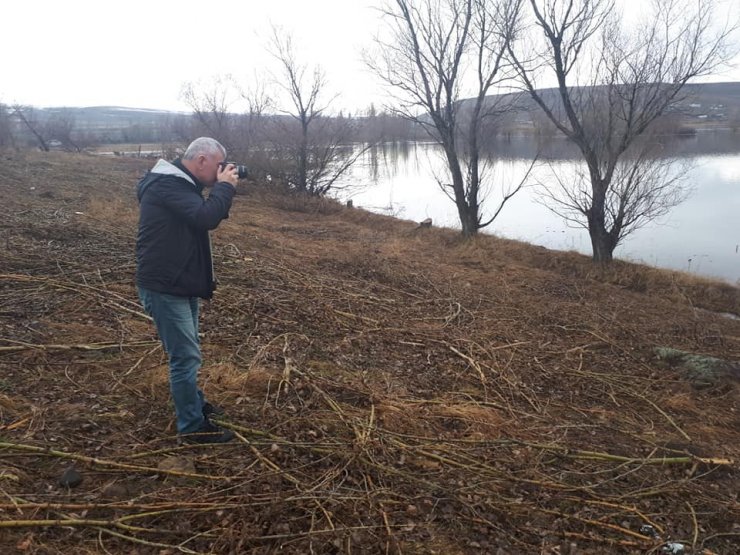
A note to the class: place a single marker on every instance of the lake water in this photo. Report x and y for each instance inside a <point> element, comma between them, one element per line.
<point>700,236</point>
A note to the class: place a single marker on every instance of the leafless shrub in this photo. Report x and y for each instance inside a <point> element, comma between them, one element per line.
<point>310,150</point>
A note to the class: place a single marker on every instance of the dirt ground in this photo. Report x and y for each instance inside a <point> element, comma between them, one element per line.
<point>394,389</point>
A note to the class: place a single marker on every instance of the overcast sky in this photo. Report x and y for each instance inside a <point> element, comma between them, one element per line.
<point>139,53</point>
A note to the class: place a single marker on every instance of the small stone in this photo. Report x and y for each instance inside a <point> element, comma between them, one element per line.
<point>648,530</point>
<point>674,548</point>
<point>70,478</point>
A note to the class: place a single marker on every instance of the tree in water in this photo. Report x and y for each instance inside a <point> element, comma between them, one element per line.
<point>441,61</point>
<point>613,83</point>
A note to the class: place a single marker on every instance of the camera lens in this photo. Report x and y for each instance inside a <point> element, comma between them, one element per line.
<point>241,171</point>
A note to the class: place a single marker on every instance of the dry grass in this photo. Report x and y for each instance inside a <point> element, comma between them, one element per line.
<point>396,390</point>
<point>117,210</point>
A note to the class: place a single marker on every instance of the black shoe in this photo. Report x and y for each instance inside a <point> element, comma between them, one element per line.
<point>212,410</point>
<point>208,433</point>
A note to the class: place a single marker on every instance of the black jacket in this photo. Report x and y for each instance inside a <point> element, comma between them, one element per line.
<point>173,249</point>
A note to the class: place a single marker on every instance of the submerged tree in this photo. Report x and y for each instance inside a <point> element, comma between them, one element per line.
<point>613,83</point>
<point>441,60</point>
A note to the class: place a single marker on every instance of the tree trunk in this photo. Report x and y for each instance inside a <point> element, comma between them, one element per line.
<point>32,128</point>
<point>303,157</point>
<point>471,227</point>
<point>602,241</point>
<point>601,244</point>
<point>468,213</point>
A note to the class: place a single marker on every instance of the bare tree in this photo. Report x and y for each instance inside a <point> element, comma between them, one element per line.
<point>214,113</point>
<point>61,126</point>
<point>644,186</point>
<point>27,116</point>
<point>437,49</point>
<point>313,149</point>
<point>250,133</point>
<point>612,86</point>
<point>211,105</point>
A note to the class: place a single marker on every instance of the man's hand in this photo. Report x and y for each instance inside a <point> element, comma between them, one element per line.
<point>228,174</point>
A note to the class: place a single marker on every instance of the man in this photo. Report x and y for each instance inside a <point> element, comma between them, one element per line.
<point>174,268</point>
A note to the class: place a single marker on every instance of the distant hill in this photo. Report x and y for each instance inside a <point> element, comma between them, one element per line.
<point>703,105</point>
<point>94,117</point>
<point>83,127</point>
<point>707,105</point>
<point>115,124</point>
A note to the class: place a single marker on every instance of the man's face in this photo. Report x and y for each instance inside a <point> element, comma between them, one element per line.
<point>207,168</point>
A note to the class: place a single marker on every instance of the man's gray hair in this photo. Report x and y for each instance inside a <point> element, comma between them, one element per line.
<point>205,146</point>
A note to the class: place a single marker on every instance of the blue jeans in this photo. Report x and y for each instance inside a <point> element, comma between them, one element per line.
<point>176,319</point>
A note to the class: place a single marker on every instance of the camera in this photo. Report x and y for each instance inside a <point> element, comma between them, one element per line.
<point>240,170</point>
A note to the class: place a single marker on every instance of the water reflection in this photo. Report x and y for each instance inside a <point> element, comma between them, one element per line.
<point>557,147</point>
<point>701,236</point>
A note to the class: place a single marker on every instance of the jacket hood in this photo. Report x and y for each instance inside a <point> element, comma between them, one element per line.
<point>161,169</point>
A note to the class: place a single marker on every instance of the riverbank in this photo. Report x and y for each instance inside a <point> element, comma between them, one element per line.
<point>395,389</point>
<point>699,236</point>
